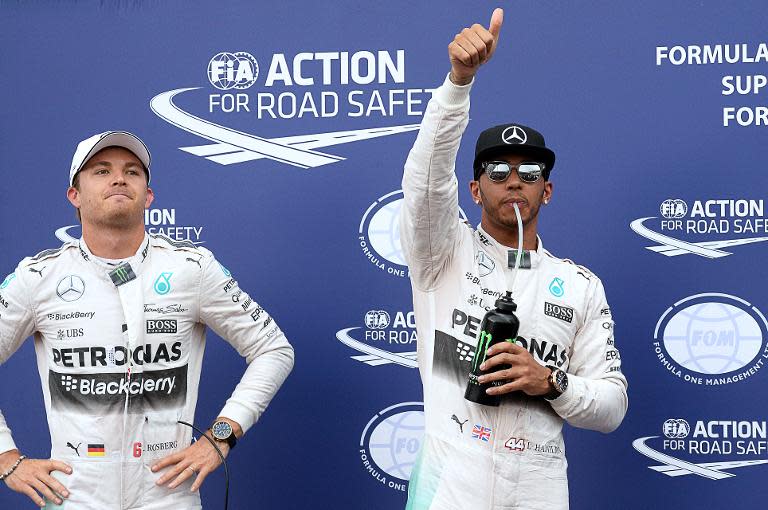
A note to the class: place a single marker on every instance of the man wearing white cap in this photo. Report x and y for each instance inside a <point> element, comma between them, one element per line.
<point>119,325</point>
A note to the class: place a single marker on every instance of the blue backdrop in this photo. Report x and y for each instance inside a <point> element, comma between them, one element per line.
<point>652,126</point>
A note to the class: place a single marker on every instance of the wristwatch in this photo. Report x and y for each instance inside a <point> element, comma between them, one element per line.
<point>558,383</point>
<point>222,432</point>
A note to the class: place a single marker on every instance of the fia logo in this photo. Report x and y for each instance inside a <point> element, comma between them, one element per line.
<point>676,428</point>
<point>377,319</point>
<point>673,208</point>
<point>233,70</point>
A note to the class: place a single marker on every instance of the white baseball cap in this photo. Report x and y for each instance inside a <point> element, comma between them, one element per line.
<point>90,146</point>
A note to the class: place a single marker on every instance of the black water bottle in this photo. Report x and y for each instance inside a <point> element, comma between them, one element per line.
<point>499,325</point>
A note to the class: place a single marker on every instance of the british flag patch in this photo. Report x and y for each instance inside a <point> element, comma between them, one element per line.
<point>481,433</point>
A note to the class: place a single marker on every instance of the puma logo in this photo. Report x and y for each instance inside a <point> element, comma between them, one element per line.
<point>69,445</point>
<point>40,272</point>
<point>460,423</point>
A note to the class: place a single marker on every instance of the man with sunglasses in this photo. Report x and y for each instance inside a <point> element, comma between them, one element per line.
<point>563,365</point>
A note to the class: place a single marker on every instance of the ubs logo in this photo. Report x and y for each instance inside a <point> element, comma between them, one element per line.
<point>63,334</point>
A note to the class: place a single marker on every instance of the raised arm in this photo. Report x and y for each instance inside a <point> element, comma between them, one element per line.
<point>429,218</point>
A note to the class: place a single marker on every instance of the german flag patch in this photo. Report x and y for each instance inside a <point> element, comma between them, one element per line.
<point>96,450</point>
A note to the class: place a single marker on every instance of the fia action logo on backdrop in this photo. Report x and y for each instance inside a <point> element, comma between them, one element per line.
<point>709,449</point>
<point>385,339</point>
<point>707,228</point>
<point>307,85</point>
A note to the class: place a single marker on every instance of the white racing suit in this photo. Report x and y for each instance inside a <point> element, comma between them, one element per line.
<point>512,456</point>
<point>120,364</point>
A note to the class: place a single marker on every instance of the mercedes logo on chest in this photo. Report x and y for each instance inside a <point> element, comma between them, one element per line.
<point>70,288</point>
<point>485,263</point>
<point>514,134</point>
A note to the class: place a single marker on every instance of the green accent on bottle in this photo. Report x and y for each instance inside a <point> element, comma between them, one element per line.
<point>482,346</point>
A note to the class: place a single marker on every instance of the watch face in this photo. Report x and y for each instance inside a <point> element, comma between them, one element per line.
<point>561,380</point>
<point>221,430</point>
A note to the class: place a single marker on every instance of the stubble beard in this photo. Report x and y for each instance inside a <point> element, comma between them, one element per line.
<point>507,221</point>
<point>124,219</point>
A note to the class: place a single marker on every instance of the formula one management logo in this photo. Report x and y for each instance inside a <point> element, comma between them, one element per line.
<point>305,85</point>
<point>390,443</point>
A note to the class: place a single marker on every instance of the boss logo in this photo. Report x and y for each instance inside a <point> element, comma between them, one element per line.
<point>558,312</point>
<point>162,326</point>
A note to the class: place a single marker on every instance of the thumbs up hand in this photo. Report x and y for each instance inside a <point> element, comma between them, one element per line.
<point>473,47</point>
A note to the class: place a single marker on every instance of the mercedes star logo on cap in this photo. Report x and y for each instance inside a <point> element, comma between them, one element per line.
<point>70,288</point>
<point>517,135</point>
